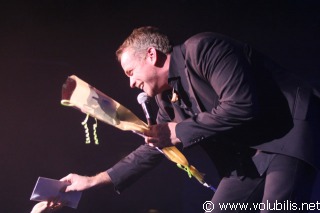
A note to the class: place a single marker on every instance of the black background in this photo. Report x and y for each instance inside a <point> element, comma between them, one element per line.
<point>43,42</point>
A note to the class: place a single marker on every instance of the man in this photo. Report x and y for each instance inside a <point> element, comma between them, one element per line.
<point>255,120</point>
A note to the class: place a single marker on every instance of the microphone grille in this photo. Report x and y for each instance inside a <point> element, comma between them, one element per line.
<point>142,97</point>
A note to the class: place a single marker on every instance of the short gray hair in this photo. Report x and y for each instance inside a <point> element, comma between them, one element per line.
<point>144,37</point>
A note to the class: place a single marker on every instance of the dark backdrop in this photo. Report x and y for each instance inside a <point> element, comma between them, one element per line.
<point>43,42</point>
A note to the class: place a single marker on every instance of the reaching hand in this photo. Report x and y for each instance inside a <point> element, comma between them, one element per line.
<point>46,206</point>
<point>80,183</point>
<point>77,182</point>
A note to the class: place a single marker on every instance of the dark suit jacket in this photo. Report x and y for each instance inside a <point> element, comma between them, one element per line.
<point>232,101</point>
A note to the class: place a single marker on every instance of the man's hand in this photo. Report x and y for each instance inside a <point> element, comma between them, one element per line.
<point>80,183</point>
<point>162,135</point>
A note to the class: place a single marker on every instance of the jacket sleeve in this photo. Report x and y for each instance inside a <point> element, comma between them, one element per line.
<point>226,69</point>
<point>133,166</point>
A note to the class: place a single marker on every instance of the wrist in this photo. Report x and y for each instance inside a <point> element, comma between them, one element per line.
<point>99,179</point>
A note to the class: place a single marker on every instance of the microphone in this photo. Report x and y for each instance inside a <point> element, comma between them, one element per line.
<point>144,101</point>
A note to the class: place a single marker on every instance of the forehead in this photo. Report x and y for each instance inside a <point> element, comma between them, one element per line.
<point>127,59</point>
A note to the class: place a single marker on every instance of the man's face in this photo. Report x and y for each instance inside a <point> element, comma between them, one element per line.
<point>142,72</point>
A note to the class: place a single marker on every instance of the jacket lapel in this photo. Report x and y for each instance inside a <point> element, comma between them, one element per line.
<point>188,95</point>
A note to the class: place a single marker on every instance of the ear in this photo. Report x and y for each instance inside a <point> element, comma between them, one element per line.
<point>152,55</point>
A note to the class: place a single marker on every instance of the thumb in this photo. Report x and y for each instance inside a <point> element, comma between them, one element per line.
<point>70,188</point>
<point>67,178</point>
<point>64,179</point>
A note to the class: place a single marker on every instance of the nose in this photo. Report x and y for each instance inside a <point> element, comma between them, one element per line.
<point>132,82</point>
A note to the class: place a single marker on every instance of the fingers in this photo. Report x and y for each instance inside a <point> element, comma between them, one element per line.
<point>77,182</point>
<point>53,206</point>
<point>39,207</point>
<point>70,188</point>
<point>151,141</point>
<point>46,206</point>
<point>67,178</point>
